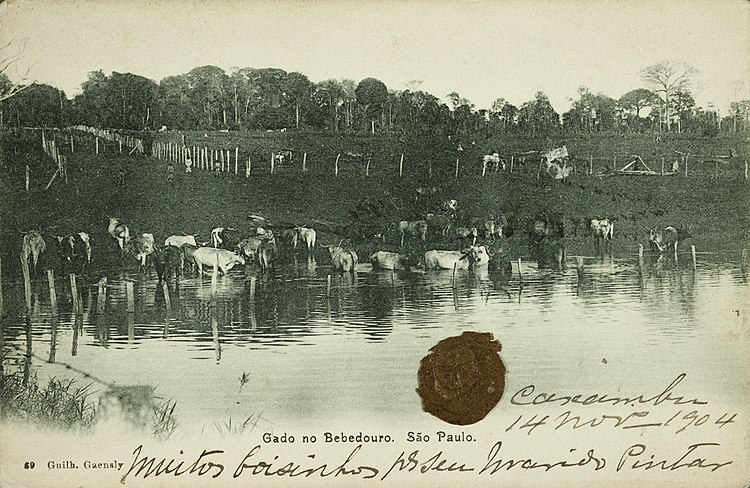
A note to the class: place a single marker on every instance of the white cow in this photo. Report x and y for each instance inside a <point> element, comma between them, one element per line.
<point>210,257</point>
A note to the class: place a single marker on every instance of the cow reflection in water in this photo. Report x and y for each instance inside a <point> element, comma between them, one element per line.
<point>545,236</point>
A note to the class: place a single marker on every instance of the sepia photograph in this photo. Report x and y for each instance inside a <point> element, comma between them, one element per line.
<point>342,243</point>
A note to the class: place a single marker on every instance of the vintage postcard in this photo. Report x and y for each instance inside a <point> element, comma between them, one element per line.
<point>340,243</point>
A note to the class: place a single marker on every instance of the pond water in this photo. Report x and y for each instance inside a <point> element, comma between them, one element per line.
<point>355,354</point>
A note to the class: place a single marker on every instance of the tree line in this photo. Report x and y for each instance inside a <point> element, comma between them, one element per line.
<point>207,98</point>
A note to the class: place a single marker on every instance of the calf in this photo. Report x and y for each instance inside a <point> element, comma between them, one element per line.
<point>602,230</point>
<point>178,241</point>
<point>119,231</point>
<point>167,260</point>
<point>210,257</point>
<point>667,239</point>
<point>388,260</point>
<point>416,228</point>
<point>33,246</point>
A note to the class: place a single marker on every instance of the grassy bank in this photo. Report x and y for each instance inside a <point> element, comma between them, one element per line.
<point>715,210</point>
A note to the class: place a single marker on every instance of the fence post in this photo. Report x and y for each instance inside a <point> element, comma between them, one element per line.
<point>401,166</point>
<point>456,168</point>
<point>304,162</point>
<point>74,295</point>
<point>273,158</point>
<point>686,165</point>
<point>28,176</point>
<point>97,145</point>
<point>614,163</point>
<point>336,168</point>
<point>716,171</point>
<point>120,142</point>
<point>591,164</point>
<point>249,167</point>
<point>236,160</point>
<point>367,167</point>
<point>26,283</point>
<point>511,164</point>
<point>52,291</point>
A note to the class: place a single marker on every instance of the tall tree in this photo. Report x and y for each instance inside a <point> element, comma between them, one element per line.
<point>666,77</point>
<point>371,96</point>
<point>634,102</point>
<point>298,89</point>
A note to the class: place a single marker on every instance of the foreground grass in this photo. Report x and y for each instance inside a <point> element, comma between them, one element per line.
<point>65,405</point>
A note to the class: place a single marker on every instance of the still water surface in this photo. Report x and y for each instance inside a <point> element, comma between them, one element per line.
<point>356,354</point>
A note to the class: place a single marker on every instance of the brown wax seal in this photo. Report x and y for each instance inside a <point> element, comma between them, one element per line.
<point>462,378</point>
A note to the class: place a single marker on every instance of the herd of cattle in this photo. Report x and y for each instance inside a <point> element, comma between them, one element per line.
<point>481,243</point>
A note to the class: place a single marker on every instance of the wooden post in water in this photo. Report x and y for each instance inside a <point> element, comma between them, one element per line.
<point>74,295</point>
<point>52,291</point>
<point>453,281</point>
<point>26,283</point>
<point>252,288</point>
<point>101,298</point>
<point>640,254</point>
<point>27,178</point>
<point>130,296</point>
<point>328,286</point>
<point>401,166</point>
<point>692,252</point>
<point>520,276</point>
<point>167,299</point>
<point>304,163</point>
<point>579,268</point>
<point>336,168</point>
<point>215,277</point>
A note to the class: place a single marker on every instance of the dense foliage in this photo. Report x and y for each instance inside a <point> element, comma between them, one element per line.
<point>207,98</point>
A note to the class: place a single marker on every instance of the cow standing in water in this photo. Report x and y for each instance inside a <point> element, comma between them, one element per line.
<point>33,246</point>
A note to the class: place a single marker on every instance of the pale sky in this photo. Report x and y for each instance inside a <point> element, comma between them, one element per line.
<point>481,49</point>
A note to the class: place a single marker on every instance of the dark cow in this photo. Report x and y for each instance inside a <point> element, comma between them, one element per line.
<point>225,238</point>
<point>416,228</point>
<point>545,236</point>
<point>167,260</point>
<point>187,256</point>
<point>75,250</point>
